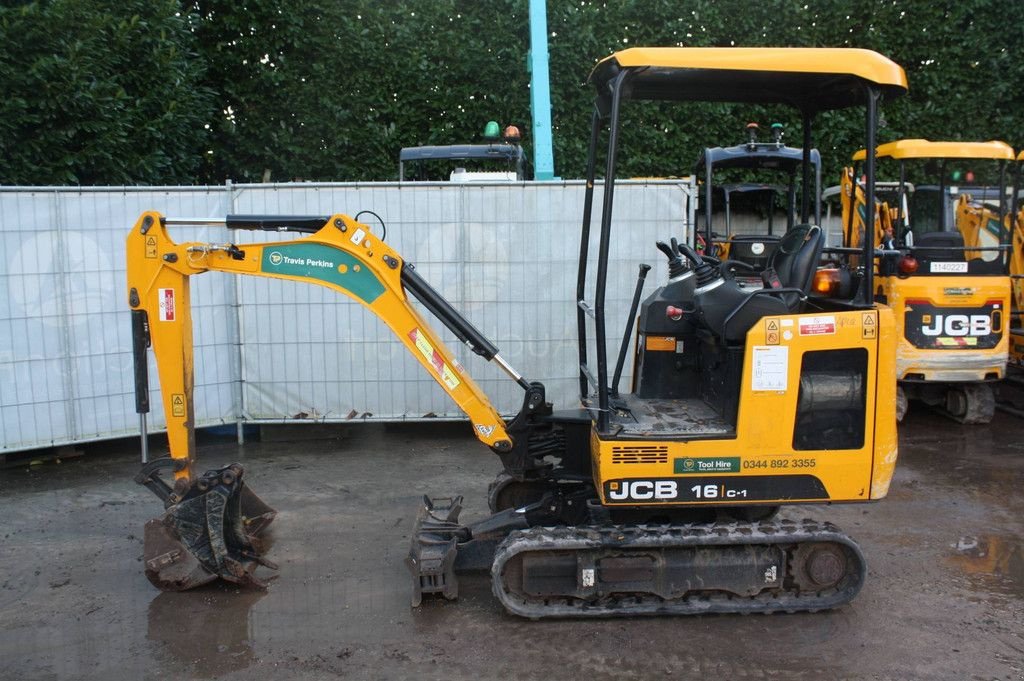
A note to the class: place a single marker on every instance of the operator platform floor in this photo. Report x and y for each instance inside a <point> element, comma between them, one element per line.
<point>944,598</point>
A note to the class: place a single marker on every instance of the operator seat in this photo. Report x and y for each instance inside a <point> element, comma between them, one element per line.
<point>795,260</point>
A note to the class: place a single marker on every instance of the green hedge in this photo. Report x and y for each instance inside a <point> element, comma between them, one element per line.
<point>157,92</point>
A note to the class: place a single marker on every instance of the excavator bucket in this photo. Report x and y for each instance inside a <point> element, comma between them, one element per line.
<point>208,531</point>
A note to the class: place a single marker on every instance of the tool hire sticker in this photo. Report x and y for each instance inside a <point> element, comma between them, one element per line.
<point>166,300</point>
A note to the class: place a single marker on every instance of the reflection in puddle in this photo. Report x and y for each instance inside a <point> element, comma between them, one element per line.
<point>995,559</point>
<point>207,630</point>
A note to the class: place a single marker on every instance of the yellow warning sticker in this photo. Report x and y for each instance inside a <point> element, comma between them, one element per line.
<point>178,405</point>
<point>868,329</point>
<point>449,378</point>
<point>660,344</point>
<point>150,246</point>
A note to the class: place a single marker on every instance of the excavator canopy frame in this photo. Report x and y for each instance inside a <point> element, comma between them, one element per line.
<point>812,80</point>
<point>913,150</point>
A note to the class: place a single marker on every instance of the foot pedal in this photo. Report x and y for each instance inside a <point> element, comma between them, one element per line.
<point>431,558</point>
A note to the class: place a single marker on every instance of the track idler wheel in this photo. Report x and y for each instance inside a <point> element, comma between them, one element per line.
<point>817,567</point>
<point>208,531</point>
<point>972,403</point>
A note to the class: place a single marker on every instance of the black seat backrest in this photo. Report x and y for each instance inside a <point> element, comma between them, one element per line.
<point>754,250</point>
<point>796,259</point>
<point>938,241</point>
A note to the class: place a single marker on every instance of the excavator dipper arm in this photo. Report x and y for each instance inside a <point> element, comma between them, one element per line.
<point>211,520</point>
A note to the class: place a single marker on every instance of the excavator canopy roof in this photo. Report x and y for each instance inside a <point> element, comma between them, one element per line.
<point>925,149</point>
<point>809,78</point>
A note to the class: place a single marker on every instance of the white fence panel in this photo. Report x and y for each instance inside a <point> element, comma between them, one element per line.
<point>270,350</point>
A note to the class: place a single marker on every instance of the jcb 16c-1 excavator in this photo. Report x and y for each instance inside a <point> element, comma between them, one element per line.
<point>947,272</point>
<point>654,500</point>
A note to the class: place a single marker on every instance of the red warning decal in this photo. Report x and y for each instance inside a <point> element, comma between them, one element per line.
<point>166,298</point>
<point>817,326</point>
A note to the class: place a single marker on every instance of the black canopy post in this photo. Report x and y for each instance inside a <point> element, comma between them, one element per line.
<point>596,123</point>
<point>873,95</point>
<point>602,257</point>
<point>805,189</point>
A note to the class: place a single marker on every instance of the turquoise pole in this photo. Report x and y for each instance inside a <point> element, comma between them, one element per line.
<point>540,93</point>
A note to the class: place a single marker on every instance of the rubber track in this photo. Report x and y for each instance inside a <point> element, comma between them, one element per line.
<point>786,532</point>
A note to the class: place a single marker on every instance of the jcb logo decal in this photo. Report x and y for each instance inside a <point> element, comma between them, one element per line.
<point>642,489</point>
<point>957,325</point>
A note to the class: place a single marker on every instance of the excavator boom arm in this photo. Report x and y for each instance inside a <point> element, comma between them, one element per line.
<point>343,255</point>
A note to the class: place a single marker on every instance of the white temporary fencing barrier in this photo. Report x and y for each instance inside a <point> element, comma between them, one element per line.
<point>505,255</point>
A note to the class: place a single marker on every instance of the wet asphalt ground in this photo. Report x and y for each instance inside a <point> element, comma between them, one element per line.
<point>944,597</point>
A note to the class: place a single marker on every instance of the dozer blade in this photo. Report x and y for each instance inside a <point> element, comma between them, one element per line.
<point>208,532</point>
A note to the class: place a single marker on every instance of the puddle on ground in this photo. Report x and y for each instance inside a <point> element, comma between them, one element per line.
<point>994,562</point>
<point>206,630</point>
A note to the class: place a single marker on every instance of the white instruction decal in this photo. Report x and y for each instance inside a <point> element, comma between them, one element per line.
<point>587,577</point>
<point>359,235</point>
<point>771,367</point>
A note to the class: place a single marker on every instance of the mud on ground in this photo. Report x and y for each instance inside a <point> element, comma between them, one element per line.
<point>944,597</point>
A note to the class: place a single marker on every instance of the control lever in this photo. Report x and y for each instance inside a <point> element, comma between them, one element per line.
<point>676,264</point>
<point>644,269</point>
<point>706,273</point>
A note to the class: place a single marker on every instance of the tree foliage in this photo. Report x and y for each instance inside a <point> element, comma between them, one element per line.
<point>98,92</point>
<point>149,92</point>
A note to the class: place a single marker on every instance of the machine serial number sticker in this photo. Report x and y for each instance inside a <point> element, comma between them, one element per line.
<point>817,326</point>
<point>771,368</point>
<point>178,405</point>
<point>166,302</point>
<point>950,267</point>
<point>717,464</point>
<point>434,358</point>
<point>660,343</point>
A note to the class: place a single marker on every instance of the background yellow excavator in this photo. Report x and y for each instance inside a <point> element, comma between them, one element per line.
<point>1016,222</point>
<point>946,269</point>
<point>652,500</point>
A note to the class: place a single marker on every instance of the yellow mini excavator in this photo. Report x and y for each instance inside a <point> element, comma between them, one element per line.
<point>945,273</point>
<point>655,500</point>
